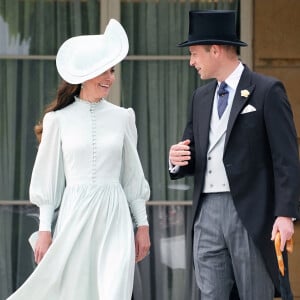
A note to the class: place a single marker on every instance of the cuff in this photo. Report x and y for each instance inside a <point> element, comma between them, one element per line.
<point>46,214</point>
<point>173,169</point>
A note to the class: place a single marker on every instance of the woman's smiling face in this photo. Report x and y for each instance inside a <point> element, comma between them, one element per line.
<point>98,87</point>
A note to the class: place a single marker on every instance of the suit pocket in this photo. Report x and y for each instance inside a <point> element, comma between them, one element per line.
<point>249,120</point>
<point>252,130</point>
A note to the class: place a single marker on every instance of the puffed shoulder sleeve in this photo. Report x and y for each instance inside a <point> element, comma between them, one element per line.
<point>133,180</point>
<point>48,180</point>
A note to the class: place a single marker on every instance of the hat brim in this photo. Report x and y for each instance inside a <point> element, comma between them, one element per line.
<point>85,57</point>
<point>212,42</point>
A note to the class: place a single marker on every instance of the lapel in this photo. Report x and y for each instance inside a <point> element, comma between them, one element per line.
<point>204,111</point>
<point>239,101</point>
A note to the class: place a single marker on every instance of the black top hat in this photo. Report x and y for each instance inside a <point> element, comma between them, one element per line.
<point>212,27</point>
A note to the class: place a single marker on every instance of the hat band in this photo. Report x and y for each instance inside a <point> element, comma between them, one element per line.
<point>193,37</point>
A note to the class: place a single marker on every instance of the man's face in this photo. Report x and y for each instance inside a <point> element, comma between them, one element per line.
<point>203,59</point>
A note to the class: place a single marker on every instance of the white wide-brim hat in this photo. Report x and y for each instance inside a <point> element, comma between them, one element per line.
<point>85,57</point>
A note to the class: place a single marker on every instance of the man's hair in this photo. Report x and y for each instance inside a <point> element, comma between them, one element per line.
<point>227,47</point>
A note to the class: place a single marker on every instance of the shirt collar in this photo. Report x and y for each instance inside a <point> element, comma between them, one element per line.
<point>233,79</point>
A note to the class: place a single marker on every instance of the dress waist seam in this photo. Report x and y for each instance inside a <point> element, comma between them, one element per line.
<point>97,183</point>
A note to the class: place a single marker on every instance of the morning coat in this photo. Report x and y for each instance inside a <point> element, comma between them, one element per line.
<point>260,156</point>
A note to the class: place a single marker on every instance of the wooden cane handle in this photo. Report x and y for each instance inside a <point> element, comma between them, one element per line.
<point>290,245</point>
<point>289,248</point>
<point>279,253</point>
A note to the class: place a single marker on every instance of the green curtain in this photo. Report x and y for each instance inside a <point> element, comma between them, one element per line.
<point>29,27</point>
<point>159,92</point>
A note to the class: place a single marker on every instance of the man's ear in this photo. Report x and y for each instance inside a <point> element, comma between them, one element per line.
<point>216,50</point>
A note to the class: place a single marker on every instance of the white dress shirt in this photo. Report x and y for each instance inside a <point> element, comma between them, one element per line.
<point>215,179</point>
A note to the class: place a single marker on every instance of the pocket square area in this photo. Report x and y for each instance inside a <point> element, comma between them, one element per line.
<point>249,108</point>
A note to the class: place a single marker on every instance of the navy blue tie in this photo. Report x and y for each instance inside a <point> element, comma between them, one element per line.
<point>222,98</point>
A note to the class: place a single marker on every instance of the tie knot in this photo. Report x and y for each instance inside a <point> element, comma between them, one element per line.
<point>222,89</point>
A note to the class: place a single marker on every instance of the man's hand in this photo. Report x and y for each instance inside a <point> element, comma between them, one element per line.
<point>285,226</point>
<point>43,243</point>
<point>180,153</point>
<point>142,243</point>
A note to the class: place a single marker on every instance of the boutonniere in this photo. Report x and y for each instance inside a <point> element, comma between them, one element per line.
<point>245,93</point>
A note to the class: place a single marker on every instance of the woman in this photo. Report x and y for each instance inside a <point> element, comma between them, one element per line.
<point>87,164</point>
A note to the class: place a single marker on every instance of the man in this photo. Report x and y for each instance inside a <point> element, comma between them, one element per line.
<point>241,147</point>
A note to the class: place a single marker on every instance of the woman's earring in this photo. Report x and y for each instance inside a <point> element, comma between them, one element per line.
<point>82,86</point>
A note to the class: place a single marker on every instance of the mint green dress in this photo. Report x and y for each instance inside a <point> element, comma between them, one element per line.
<point>87,164</point>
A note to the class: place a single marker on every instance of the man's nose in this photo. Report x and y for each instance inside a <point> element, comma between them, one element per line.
<point>191,62</point>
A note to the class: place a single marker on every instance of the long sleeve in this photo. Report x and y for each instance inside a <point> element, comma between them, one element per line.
<point>133,180</point>
<point>284,147</point>
<point>48,180</point>
<point>177,172</point>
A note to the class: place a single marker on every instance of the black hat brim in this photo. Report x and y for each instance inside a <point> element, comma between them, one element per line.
<point>212,42</point>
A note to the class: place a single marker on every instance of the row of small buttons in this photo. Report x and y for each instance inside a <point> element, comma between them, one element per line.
<point>94,147</point>
<point>210,172</point>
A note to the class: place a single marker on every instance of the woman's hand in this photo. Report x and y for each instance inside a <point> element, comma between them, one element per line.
<point>142,243</point>
<point>43,243</point>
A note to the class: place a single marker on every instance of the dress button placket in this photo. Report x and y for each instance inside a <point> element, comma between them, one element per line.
<point>94,147</point>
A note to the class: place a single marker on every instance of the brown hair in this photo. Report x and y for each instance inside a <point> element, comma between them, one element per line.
<point>228,48</point>
<point>64,96</point>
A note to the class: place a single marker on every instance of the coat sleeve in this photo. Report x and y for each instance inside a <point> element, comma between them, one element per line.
<point>133,180</point>
<point>284,148</point>
<point>187,135</point>
<point>48,180</point>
